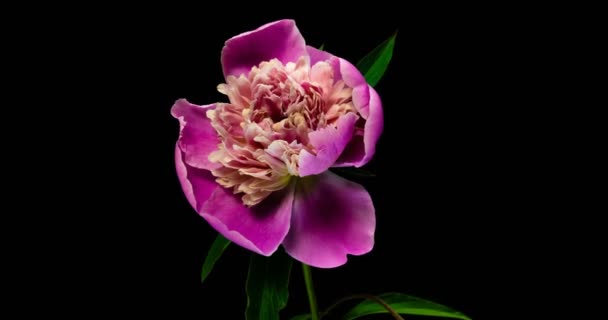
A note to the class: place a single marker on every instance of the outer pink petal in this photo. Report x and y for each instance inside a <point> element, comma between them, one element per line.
<point>332,217</point>
<point>197,184</point>
<point>317,55</point>
<point>344,70</point>
<point>361,149</point>
<point>197,138</point>
<point>373,126</point>
<point>354,79</point>
<point>260,228</point>
<point>329,143</point>
<point>280,39</point>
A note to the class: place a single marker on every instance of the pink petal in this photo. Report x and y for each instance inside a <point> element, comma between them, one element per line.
<point>197,138</point>
<point>332,217</point>
<point>344,70</point>
<point>197,184</point>
<point>280,39</point>
<point>260,228</point>
<point>360,150</point>
<point>317,55</point>
<point>373,126</point>
<point>354,79</point>
<point>329,142</point>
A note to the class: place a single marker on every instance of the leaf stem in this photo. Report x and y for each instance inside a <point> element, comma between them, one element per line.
<point>379,301</point>
<point>312,299</point>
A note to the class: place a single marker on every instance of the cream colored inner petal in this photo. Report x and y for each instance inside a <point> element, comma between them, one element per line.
<point>266,124</point>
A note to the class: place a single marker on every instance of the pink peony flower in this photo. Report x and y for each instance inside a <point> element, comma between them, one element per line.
<point>256,168</point>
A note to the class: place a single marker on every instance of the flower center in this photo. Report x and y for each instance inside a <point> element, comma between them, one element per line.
<point>266,124</point>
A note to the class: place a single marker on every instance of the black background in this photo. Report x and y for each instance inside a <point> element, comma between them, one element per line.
<point>442,192</point>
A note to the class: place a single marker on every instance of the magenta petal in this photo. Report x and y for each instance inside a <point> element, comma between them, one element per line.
<point>280,39</point>
<point>373,126</point>
<point>197,184</point>
<point>354,79</point>
<point>344,70</point>
<point>197,138</point>
<point>260,228</point>
<point>332,217</point>
<point>317,55</point>
<point>329,142</point>
<point>361,149</point>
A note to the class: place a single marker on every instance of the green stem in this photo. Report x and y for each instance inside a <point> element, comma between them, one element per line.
<point>312,299</point>
<point>379,301</point>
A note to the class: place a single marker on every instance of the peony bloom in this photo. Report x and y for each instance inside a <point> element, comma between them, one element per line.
<point>256,167</point>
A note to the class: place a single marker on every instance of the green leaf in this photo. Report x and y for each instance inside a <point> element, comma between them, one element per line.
<point>374,64</point>
<point>403,304</point>
<point>353,172</point>
<point>322,46</point>
<point>301,317</point>
<point>215,252</point>
<point>267,285</point>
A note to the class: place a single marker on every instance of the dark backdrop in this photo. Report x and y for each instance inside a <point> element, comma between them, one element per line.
<point>440,164</point>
